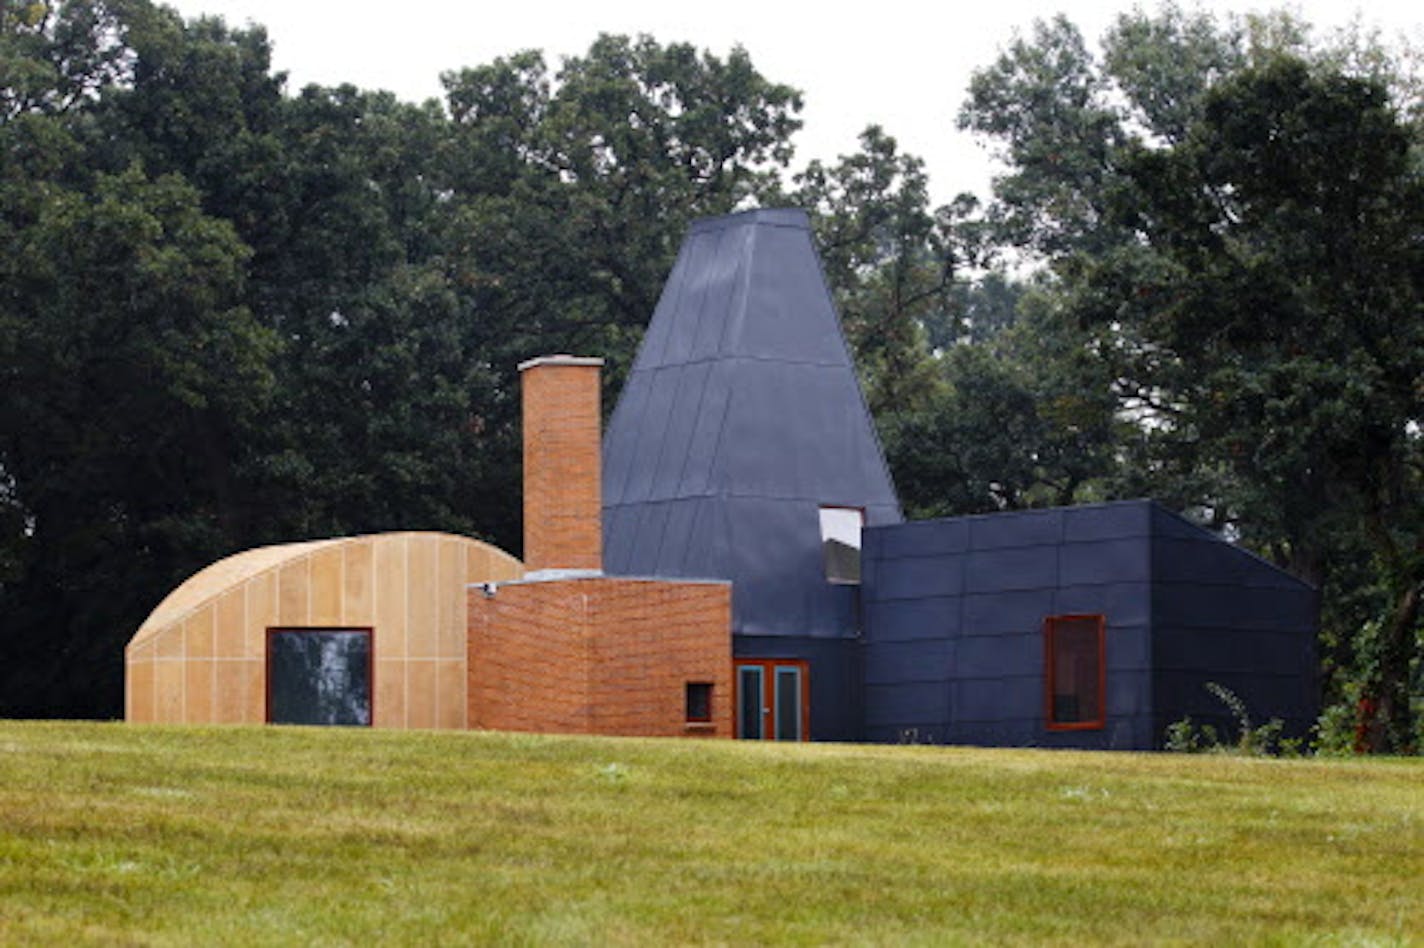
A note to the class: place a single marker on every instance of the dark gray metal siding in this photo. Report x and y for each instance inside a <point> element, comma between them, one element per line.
<point>954,614</point>
<point>1222,615</point>
<point>741,417</point>
<point>834,675</point>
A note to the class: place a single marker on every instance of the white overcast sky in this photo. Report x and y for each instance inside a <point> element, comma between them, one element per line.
<point>903,65</point>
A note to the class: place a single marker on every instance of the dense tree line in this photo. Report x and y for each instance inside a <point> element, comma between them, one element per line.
<point>231,314</point>
<point>1228,317</point>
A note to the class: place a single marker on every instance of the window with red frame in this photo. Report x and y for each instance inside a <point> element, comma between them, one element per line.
<point>1074,649</point>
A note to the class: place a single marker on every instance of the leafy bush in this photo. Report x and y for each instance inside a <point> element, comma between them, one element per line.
<point>1336,729</point>
<point>1186,737</point>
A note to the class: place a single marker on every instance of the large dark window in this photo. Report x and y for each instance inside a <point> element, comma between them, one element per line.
<point>319,676</point>
<point>1077,678</point>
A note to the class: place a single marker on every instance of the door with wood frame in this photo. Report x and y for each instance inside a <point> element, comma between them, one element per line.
<point>772,699</point>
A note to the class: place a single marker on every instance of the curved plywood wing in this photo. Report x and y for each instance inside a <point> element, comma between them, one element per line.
<point>218,578</point>
<point>200,657</point>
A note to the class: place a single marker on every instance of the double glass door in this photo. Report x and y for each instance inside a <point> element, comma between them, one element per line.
<point>772,699</point>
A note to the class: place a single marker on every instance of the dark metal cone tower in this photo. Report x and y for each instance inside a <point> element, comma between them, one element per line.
<point>742,417</point>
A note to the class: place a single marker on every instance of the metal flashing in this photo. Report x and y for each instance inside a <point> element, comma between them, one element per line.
<point>561,360</point>
<point>575,575</point>
<point>547,575</point>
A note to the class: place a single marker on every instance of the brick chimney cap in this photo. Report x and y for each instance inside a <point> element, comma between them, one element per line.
<point>561,360</point>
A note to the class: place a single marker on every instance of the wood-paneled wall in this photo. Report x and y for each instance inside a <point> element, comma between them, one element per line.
<point>201,656</point>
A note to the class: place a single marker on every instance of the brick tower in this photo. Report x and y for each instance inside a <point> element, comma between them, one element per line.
<point>562,497</point>
<point>567,649</point>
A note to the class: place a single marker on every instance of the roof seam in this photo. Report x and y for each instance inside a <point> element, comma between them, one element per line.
<point>733,495</point>
<point>697,424</point>
<point>737,357</point>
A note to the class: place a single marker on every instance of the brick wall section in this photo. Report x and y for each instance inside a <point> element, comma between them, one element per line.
<point>529,661</point>
<point>652,638</point>
<point>599,656</point>
<point>562,494</point>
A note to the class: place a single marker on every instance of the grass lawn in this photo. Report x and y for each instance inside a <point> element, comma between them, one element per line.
<point>122,834</point>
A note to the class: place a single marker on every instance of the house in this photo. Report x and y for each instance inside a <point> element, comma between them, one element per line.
<point>733,562</point>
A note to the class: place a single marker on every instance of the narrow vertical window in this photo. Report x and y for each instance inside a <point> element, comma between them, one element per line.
<point>788,703</point>
<point>699,702</point>
<point>840,539</point>
<point>1074,649</point>
<point>749,702</point>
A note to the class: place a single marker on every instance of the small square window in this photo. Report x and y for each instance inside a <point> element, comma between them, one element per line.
<point>840,539</point>
<point>699,702</point>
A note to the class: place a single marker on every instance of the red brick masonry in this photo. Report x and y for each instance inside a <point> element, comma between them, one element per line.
<point>563,506</point>
<point>599,655</point>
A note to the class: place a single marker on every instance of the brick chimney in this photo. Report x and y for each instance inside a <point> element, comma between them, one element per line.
<point>563,499</point>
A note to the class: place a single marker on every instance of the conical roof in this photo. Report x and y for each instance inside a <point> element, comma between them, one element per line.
<point>741,418</point>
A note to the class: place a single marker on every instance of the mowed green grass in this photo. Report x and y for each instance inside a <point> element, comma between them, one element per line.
<point>123,834</point>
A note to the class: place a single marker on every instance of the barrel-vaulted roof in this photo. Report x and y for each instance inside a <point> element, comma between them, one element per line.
<point>214,580</point>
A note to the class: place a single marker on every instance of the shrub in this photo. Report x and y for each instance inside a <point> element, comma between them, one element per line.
<point>1186,737</point>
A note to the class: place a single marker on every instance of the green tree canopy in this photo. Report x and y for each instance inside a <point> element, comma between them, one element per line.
<point>232,316</point>
<point>1275,309</point>
<point>132,376</point>
<point>1230,218</point>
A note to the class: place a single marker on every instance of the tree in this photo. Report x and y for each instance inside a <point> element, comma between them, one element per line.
<point>573,192</point>
<point>1231,222</point>
<point>569,195</point>
<point>57,57</point>
<point>383,384</point>
<point>1062,117</point>
<point>131,375</point>
<point>384,376</point>
<point>1282,314</point>
<point>1026,416</point>
<point>1046,101</point>
<point>890,260</point>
